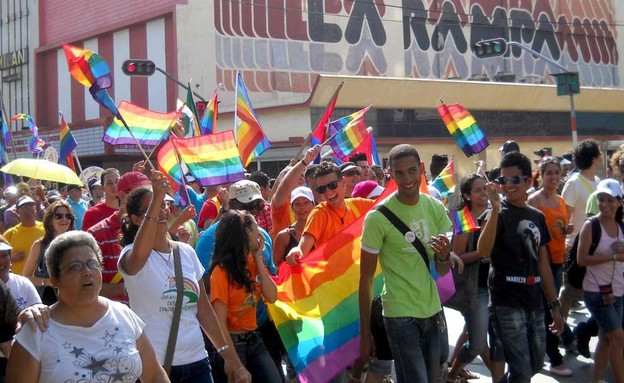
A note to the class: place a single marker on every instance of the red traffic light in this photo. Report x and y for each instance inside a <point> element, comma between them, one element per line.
<point>138,67</point>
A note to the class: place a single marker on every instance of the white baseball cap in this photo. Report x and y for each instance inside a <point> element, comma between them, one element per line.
<point>245,191</point>
<point>610,187</point>
<point>301,191</point>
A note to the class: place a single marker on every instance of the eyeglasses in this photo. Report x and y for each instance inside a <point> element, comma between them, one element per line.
<point>351,173</point>
<point>514,180</point>
<point>61,216</point>
<point>323,189</point>
<point>78,266</point>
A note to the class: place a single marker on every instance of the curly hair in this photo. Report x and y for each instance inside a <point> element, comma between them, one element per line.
<point>56,251</point>
<point>48,220</point>
<point>614,161</point>
<point>232,247</point>
<point>133,207</point>
<point>465,187</point>
<point>326,168</point>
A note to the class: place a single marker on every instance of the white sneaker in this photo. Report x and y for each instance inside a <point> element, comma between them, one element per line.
<point>560,370</point>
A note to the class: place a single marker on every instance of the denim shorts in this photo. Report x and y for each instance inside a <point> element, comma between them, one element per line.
<point>380,366</point>
<point>609,317</point>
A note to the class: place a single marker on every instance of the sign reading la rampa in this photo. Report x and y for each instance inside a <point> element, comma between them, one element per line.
<point>13,59</point>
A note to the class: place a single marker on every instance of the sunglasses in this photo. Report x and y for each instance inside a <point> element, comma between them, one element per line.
<point>61,216</point>
<point>514,180</point>
<point>351,173</point>
<point>78,266</point>
<point>331,186</point>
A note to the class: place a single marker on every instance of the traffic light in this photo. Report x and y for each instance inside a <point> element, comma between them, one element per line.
<point>490,48</point>
<point>567,83</point>
<point>138,67</point>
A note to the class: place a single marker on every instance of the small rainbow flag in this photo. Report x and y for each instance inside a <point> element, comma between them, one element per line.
<point>168,164</point>
<point>208,122</point>
<point>317,312</point>
<point>5,141</point>
<point>67,146</point>
<point>351,131</point>
<point>35,144</point>
<point>445,181</point>
<point>464,129</point>
<point>212,159</point>
<point>148,126</point>
<point>90,69</point>
<point>463,221</point>
<point>249,135</point>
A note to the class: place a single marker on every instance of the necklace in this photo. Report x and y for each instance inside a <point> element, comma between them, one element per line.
<point>338,215</point>
<point>162,255</point>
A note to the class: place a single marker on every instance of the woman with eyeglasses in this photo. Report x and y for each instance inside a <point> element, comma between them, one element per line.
<point>554,208</point>
<point>58,219</point>
<point>89,337</point>
<point>238,281</point>
<point>147,265</point>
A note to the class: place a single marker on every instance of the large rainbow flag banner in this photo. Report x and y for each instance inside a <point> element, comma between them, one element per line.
<point>90,69</point>
<point>464,129</point>
<point>463,221</point>
<point>212,159</point>
<point>67,146</point>
<point>351,131</point>
<point>208,122</point>
<point>317,310</point>
<point>249,135</point>
<point>445,181</point>
<point>148,126</point>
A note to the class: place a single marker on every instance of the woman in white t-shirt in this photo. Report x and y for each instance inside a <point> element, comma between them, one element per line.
<point>89,338</point>
<point>147,265</point>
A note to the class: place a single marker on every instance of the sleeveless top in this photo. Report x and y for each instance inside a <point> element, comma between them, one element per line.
<point>557,221</point>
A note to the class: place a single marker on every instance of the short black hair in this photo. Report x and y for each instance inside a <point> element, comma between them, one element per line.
<point>261,178</point>
<point>438,163</point>
<point>326,168</point>
<point>358,157</point>
<point>402,151</point>
<point>585,153</point>
<point>518,160</point>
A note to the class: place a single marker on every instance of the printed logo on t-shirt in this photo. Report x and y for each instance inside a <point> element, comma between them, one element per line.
<point>191,295</point>
<point>530,235</point>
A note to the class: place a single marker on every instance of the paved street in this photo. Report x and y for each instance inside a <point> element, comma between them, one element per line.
<point>581,367</point>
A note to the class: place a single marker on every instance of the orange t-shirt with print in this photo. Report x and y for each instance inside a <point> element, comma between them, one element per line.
<point>241,304</point>
<point>324,222</point>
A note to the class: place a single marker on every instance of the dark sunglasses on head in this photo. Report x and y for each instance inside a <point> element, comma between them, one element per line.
<point>61,215</point>
<point>351,173</point>
<point>331,186</point>
<point>514,180</point>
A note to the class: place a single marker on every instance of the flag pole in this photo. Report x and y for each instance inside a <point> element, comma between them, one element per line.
<point>125,124</point>
<point>307,140</point>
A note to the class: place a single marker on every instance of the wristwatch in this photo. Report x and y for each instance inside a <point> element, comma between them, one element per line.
<point>553,304</point>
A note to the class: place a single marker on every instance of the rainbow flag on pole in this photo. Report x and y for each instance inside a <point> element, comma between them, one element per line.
<point>249,135</point>
<point>351,131</point>
<point>208,122</point>
<point>463,221</point>
<point>90,69</point>
<point>317,311</point>
<point>67,146</point>
<point>212,159</point>
<point>148,126</point>
<point>464,129</point>
<point>35,144</point>
<point>445,181</point>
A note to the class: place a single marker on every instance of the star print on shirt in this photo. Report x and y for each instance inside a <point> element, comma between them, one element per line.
<point>96,366</point>
<point>109,338</point>
<point>77,351</point>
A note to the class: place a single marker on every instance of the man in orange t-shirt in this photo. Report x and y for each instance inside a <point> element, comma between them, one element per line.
<point>331,216</point>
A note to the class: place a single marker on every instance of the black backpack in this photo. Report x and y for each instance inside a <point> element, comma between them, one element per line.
<point>576,273</point>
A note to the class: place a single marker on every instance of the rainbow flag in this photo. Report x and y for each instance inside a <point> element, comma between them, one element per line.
<point>317,311</point>
<point>149,127</point>
<point>249,135</point>
<point>5,141</point>
<point>463,221</point>
<point>35,144</point>
<point>445,181</point>
<point>464,129</point>
<point>212,159</point>
<point>90,69</point>
<point>350,131</point>
<point>169,165</point>
<point>208,123</point>
<point>67,146</point>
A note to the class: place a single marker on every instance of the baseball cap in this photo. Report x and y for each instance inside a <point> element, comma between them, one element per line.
<point>245,191</point>
<point>564,161</point>
<point>131,181</point>
<point>610,187</point>
<point>24,200</point>
<point>10,191</point>
<point>93,182</point>
<point>5,246</point>
<point>72,187</point>
<point>509,146</point>
<point>301,191</point>
<point>367,189</point>
<point>347,166</point>
<point>53,193</point>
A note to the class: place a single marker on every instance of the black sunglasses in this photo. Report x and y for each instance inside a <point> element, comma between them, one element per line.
<point>514,180</point>
<point>331,186</point>
<point>351,173</point>
<point>61,215</point>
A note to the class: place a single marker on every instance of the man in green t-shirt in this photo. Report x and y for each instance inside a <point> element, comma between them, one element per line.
<point>411,306</point>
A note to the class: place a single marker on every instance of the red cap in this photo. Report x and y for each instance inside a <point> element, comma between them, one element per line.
<point>132,180</point>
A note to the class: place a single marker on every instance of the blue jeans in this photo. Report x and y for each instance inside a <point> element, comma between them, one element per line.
<point>417,347</point>
<point>193,372</point>
<point>523,336</point>
<point>257,361</point>
<point>477,326</point>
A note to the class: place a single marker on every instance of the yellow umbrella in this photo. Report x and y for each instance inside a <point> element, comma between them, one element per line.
<point>42,170</point>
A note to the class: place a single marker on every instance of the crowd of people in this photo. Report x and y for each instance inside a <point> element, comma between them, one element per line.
<point>121,281</point>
